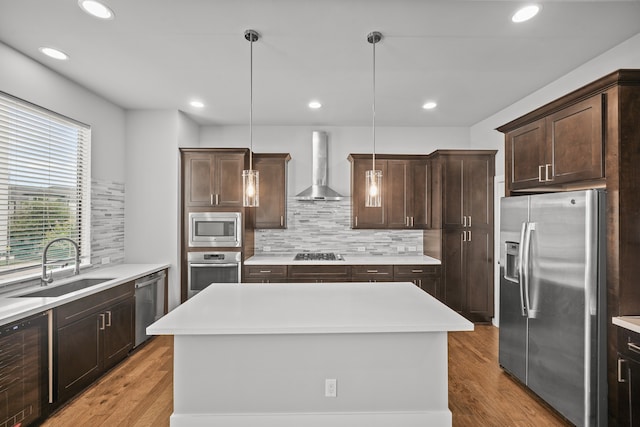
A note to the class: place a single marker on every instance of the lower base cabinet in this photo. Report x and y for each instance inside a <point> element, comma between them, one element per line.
<point>92,335</point>
<point>426,277</point>
<point>628,378</point>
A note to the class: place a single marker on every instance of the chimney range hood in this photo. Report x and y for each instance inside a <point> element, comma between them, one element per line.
<point>319,189</point>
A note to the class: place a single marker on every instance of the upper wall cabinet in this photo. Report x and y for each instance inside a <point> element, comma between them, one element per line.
<point>563,147</point>
<point>213,177</point>
<point>405,186</point>
<point>272,212</point>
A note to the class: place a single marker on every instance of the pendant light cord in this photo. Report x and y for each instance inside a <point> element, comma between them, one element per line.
<point>373,168</point>
<point>251,105</point>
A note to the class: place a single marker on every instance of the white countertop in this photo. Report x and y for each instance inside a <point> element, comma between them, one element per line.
<point>14,308</point>
<point>349,259</point>
<point>309,308</point>
<point>628,322</point>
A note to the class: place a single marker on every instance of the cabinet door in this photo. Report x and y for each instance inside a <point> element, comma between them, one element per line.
<point>399,200</point>
<point>273,193</point>
<point>421,179</point>
<point>478,191</point>
<point>525,150</point>
<point>363,217</point>
<point>118,332</point>
<point>478,264</point>
<point>79,361</point>
<point>454,285</point>
<point>452,193</point>
<point>198,179</point>
<point>575,142</point>
<point>228,179</point>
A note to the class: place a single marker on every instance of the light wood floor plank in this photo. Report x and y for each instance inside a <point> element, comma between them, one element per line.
<point>139,391</point>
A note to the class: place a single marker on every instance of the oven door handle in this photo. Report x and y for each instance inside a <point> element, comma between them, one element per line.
<point>212,264</point>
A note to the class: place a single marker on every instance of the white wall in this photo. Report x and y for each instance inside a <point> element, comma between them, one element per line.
<point>296,140</point>
<point>483,134</point>
<point>25,78</point>
<point>151,196</point>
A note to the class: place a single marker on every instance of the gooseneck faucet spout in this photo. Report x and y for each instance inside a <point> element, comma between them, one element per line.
<point>48,278</point>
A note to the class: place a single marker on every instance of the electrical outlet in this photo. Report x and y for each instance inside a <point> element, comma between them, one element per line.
<point>400,248</point>
<point>266,248</point>
<point>330,387</point>
<point>412,249</point>
<point>106,260</point>
<point>361,249</point>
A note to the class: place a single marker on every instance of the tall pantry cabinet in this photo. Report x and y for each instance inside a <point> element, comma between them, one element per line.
<point>462,212</point>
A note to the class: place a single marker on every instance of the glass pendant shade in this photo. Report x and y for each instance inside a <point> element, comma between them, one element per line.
<point>373,189</point>
<point>250,188</point>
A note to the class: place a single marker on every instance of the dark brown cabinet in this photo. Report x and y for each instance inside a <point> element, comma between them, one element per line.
<point>462,199</point>
<point>265,273</point>
<point>372,273</point>
<point>426,277</point>
<point>319,273</point>
<point>628,363</point>
<point>272,212</point>
<point>564,147</point>
<point>213,177</point>
<point>405,186</point>
<point>92,334</point>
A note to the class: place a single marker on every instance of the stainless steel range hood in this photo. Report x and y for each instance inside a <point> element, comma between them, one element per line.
<point>319,189</point>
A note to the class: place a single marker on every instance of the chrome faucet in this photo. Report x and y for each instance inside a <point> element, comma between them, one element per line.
<point>48,278</point>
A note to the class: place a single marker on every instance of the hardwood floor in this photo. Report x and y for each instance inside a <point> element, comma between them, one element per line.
<point>138,392</point>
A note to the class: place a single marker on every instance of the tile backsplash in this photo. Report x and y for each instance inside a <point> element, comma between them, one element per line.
<point>107,221</point>
<point>324,226</point>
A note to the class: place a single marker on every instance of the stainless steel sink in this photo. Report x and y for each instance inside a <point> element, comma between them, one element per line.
<point>56,291</point>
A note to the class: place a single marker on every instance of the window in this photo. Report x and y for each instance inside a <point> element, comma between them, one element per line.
<point>45,185</point>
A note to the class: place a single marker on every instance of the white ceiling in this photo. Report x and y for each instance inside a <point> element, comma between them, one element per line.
<point>466,55</point>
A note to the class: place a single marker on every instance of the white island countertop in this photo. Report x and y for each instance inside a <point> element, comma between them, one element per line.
<point>310,308</point>
<point>13,307</point>
<point>349,259</point>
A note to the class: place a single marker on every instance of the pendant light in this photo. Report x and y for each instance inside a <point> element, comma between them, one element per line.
<point>250,178</point>
<point>373,177</point>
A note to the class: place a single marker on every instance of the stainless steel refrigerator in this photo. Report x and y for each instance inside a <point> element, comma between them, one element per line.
<point>552,300</point>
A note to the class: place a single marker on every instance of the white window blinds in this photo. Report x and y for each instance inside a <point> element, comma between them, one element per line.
<point>45,185</point>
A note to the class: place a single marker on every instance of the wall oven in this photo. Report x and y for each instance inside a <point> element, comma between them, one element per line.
<point>215,229</point>
<point>205,268</point>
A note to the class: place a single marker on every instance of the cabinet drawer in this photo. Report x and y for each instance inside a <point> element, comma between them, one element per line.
<point>629,343</point>
<point>72,311</point>
<point>369,273</point>
<point>320,272</point>
<point>265,271</point>
<point>401,271</point>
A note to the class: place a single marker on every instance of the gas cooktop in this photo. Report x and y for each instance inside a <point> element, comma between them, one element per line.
<point>318,256</point>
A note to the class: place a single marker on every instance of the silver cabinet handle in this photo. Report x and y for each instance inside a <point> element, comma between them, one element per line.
<point>416,271</point>
<point>469,220</point>
<point>420,283</point>
<point>217,199</point>
<point>411,221</point>
<point>464,236</point>
<point>546,173</point>
<point>540,173</point>
<point>633,347</point>
<point>469,238</point>
<point>265,271</point>
<point>372,271</point>
<point>406,222</point>
<point>109,318</point>
<point>464,221</point>
<point>102,324</point>
<point>281,221</point>
<point>356,221</point>
<point>620,379</point>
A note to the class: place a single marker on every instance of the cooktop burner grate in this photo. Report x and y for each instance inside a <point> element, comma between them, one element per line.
<point>317,256</point>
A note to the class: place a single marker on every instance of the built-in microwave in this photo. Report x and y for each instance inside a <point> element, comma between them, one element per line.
<point>215,229</point>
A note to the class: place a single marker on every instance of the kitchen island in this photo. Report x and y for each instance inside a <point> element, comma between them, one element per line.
<point>306,354</point>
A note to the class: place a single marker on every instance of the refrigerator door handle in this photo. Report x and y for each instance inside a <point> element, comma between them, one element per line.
<point>526,259</point>
<point>521,273</point>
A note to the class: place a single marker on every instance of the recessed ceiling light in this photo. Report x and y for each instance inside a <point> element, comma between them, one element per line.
<point>430,105</point>
<point>54,53</point>
<point>314,105</point>
<point>97,9</point>
<point>197,104</point>
<point>525,13</point>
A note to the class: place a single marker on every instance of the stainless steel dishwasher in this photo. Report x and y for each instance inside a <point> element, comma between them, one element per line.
<point>149,303</point>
